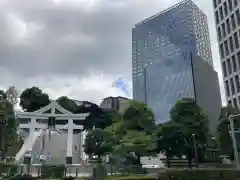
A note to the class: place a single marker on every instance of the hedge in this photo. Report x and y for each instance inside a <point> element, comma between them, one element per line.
<point>8,169</point>
<point>131,177</point>
<point>51,171</point>
<point>200,174</point>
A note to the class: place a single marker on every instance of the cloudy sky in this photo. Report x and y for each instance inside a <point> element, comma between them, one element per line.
<point>75,48</point>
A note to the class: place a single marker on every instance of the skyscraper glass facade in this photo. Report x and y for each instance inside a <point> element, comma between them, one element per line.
<point>162,50</point>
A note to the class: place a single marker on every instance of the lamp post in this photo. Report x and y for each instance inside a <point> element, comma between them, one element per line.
<point>195,150</point>
<point>234,141</point>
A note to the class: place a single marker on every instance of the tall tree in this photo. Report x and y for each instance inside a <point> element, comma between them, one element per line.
<point>32,99</point>
<point>98,117</point>
<point>68,104</point>
<point>138,116</point>
<point>3,94</point>
<point>9,129</point>
<point>134,132</point>
<point>98,143</point>
<point>137,143</point>
<point>193,123</point>
<point>12,95</point>
<point>170,139</point>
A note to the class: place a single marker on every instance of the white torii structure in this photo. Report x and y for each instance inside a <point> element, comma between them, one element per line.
<point>51,110</point>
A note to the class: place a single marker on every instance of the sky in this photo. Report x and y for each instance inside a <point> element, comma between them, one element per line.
<point>76,48</point>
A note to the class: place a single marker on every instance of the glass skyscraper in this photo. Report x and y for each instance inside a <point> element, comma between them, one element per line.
<point>163,49</point>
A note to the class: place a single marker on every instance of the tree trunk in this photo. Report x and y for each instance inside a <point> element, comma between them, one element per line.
<point>168,161</point>
<point>138,159</point>
<point>189,157</point>
<point>98,158</point>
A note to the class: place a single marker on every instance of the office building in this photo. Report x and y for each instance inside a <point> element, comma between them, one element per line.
<point>227,18</point>
<point>117,103</point>
<point>171,59</point>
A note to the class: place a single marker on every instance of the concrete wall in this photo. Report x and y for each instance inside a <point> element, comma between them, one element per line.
<point>207,90</point>
<point>119,104</point>
<point>123,105</point>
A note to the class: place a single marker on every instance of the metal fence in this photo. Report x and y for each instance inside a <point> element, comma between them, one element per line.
<point>74,170</point>
<point>78,170</point>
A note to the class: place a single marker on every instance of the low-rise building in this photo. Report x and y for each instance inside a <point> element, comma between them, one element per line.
<point>117,103</point>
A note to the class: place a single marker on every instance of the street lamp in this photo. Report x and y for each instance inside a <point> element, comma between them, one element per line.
<point>236,156</point>
<point>195,150</point>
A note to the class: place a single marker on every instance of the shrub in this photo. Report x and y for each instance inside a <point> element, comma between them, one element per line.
<point>51,171</point>
<point>99,171</point>
<point>131,177</point>
<point>199,174</point>
<point>68,178</point>
<point>8,169</point>
<point>23,177</point>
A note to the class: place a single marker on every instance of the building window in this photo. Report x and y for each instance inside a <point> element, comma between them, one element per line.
<point>221,13</point>
<point>223,30</point>
<point>238,16</point>
<point>228,26</point>
<point>215,3</point>
<point>235,102</point>
<point>227,88</point>
<point>226,48</point>
<point>232,86</point>
<point>229,66</point>
<point>219,33</point>
<point>233,22</point>
<point>221,51</point>
<point>231,44</point>
<point>230,5</point>
<point>217,17</point>
<point>237,83</point>
<point>234,63</point>
<point>235,2</point>
<point>225,8</point>
<point>230,102</point>
<point>236,40</point>
<point>224,69</point>
<point>238,59</point>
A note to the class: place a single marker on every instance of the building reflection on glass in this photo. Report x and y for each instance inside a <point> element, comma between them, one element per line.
<point>162,51</point>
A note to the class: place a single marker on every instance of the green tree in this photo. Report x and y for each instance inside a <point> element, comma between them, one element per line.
<point>98,117</point>
<point>98,143</point>
<point>116,130</point>
<point>68,104</point>
<point>3,94</point>
<point>12,95</point>
<point>134,133</point>
<point>139,117</point>
<point>8,130</point>
<point>223,136</point>
<point>137,143</point>
<point>193,123</point>
<point>32,99</point>
<point>170,140</point>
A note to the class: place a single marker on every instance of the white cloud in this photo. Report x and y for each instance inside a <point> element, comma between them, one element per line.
<point>67,39</point>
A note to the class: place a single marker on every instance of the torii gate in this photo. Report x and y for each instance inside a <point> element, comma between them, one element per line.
<point>58,113</point>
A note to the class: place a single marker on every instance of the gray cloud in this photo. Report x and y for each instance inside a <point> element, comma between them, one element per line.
<point>68,39</point>
<point>43,38</point>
